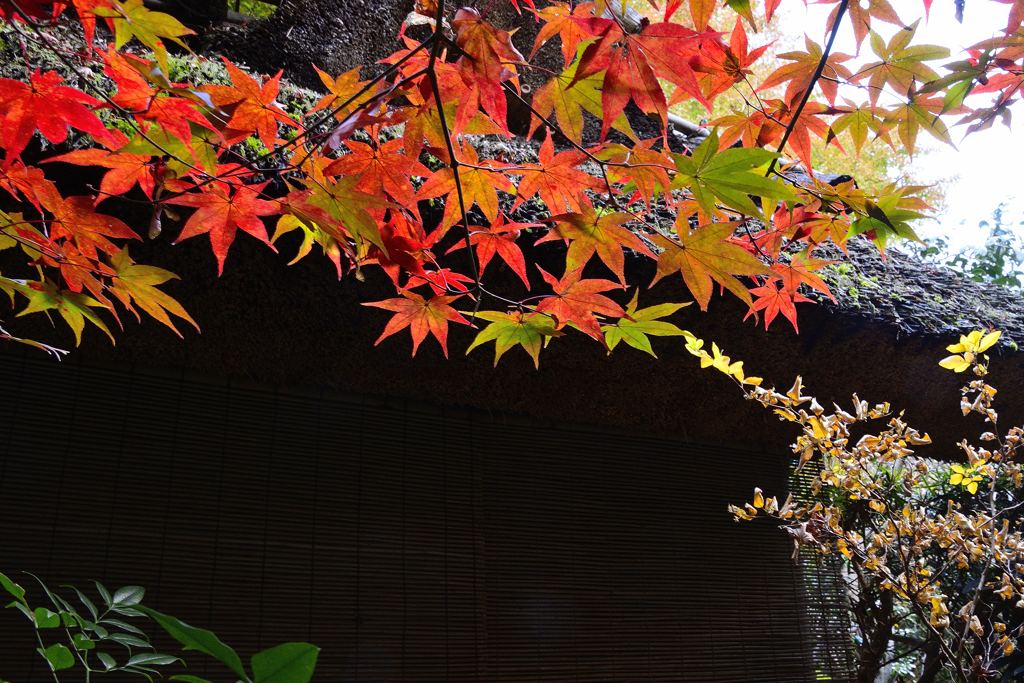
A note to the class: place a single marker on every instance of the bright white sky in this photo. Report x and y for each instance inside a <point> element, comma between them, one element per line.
<point>987,164</point>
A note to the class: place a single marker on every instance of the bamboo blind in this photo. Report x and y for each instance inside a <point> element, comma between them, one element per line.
<point>410,542</point>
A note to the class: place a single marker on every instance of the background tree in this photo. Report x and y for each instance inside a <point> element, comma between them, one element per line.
<point>932,550</point>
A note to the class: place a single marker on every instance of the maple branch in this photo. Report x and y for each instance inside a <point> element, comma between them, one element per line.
<point>810,86</point>
<point>384,74</point>
<point>512,91</point>
<point>454,161</point>
<point>25,17</point>
<point>757,246</point>
<point>42,249</point>
<point>53,350</point>
<point>318,136</point>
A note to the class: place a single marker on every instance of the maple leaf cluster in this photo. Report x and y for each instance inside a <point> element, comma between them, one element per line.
<point>358,175</point>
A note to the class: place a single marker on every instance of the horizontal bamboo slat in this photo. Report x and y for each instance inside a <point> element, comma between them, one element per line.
<point>412,543</point>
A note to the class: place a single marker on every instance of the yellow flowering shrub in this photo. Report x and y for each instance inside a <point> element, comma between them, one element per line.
<point>933,551</point>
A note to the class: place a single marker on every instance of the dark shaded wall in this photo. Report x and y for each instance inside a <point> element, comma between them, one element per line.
<point>411,542</point>
<point>299,326</point>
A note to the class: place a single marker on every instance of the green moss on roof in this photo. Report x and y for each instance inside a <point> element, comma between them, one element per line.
<point>915,297</point>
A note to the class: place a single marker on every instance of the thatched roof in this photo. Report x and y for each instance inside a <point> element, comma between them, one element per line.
<point>918,298</point>
<point>298,325</point>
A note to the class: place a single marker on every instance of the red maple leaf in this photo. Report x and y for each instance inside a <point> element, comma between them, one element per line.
<point>808,122</point>
<point>75,219</point>
<point>381,168</point>
<point>723,66</point>
<point>577,301</point>
<point>45,104</point>
<point>34,9</point>
<point>135,94</point>
<point>27,181</point>
<point>80,272</point>
<point>405,248</point>
<point>773,301</point>
<point>633,63</point>
<point>556,179</point>
<point>255,109</point>
<point>221,212</point>
<point>498,239</point>
<point>125,169</point>
<point>420,316</point>
<point>442,281</point>
<point>490,61</point>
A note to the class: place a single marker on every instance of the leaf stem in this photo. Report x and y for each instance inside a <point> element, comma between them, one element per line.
<point>810,86</point>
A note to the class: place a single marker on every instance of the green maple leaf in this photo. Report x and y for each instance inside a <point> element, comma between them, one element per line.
<point>900,63</point>
<point>887,218</point>
<point>919,112</point>
<point>728,177</point>
<point>634,329</point>
<point>530,330</point>
<point>158,142</point>
<point>132,19</point>
<point>74,307</point>
<point>860,120</point>
<point>139,283</point>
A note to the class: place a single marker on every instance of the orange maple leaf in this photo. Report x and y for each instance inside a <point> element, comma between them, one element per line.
<point>809,122</point>
<point>588,233</point>
<point>221,212</point>
<point>707,255</point>
<point>420,316</point>
<point>800,72</point>
<point>556,179</point>
<point>480,182</point>
<point>341,89</point>
<point>559,20</point>
<point>125,169</point>
<point>255,108</point>
<point>75,219</point>
<point>800,271</point>
<point>576,301</point>
<point>381,169</point>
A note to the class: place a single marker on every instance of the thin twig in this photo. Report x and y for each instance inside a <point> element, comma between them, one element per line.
<point>810,86</point>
